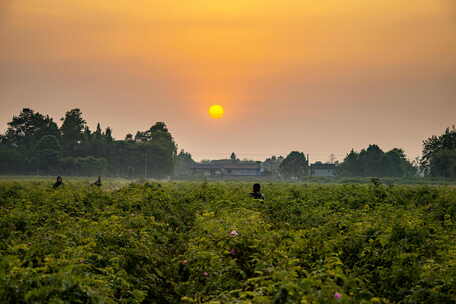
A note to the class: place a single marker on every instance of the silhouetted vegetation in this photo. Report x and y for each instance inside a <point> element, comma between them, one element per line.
<point>376,163</point>
<point>34,144</point>
<point>439,155</point>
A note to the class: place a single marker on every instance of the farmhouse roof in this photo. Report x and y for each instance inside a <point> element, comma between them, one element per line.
<point>227,166</point>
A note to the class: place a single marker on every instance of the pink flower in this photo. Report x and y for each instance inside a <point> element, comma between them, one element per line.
<point>205,274</point>
<point>234,233</point>
<point>233,251</point>
<point>337,296</point>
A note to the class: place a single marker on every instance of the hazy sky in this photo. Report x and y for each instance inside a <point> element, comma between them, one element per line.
<point>315,76</point>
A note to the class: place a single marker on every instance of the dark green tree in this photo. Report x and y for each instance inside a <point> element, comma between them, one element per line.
<point>184,163</point>
<point>26,129</point>
<point>159,150</point>
<point>436,151</point>
<point>373,162</point>
<point>233,157</point>
<point>396,164</point>
<point>350,166</point>
<point>443,163</point>
<point>72,130</point>
<point>295,165</point>
<point>12,161</point>
<point>47,154</point>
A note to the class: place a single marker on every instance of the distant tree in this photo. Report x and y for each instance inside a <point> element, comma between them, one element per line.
<point>373,162</point>
<point>184,163</point>
<point>271,165</point>
<point>294,165</point>
<point>437,152</point>
<point>47,154</point>
<point>396,164</point>
<point>87,134</point>
<point>12,161</point>
<point>72,130</point>
<point>129,137</point>
<point>159,150</point>
<point>33,142</point>
<point>108,134</point>
<point>98,132</point>
<point>26,129</point>
<point>443,163</point>
<point>233,157</point>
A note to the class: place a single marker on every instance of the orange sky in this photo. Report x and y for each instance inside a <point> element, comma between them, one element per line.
<point>318,76</point>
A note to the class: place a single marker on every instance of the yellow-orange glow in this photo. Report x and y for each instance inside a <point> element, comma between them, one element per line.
<point>295,64</point>
<point>216,111</point>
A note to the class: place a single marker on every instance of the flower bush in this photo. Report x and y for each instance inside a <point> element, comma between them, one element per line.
<point>212,243</point>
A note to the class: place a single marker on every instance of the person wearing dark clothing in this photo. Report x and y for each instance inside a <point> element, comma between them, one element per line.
<point>98,182</point>
<point>58,182</point>
<point>256,194</point>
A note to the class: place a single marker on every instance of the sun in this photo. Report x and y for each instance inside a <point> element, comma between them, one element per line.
<point>216,111</point>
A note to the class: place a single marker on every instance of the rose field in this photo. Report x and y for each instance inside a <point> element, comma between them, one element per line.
<point>196,242</point>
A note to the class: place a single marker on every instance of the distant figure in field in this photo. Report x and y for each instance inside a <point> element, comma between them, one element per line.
<point>58,182</point>
<point>98,182</point>
<point>256,194</point>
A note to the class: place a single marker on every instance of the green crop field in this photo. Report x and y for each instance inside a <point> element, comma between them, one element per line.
<point>211,243</point>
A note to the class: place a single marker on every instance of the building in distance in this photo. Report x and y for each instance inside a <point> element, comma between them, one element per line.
<point>322,170</point>
<point>228,168</point>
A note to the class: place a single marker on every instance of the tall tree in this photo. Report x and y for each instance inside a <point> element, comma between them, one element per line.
<point>373,162</point>
<point>159,150</point>
<point>47,154</point>
<point>295,165</point>
<point>443,163</point>
<point>72,130</point>
<point>233,157</point>
<point>396,164</point>
<point>351,165</point>
<point>26,129</point>
<point>184,163</point>
<point>437,150</point>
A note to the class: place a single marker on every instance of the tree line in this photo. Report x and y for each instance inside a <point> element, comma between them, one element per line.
<point>34,144</point>
<point>438,160</point>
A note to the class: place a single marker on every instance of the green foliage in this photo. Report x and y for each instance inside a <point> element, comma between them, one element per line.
<point>184,163</point>
<point>33,144</point>
<point>443,164</point>
<point>373,162</point>
<point>439,154</point>
<point>294,166</point>
<point>212,243</point>
<point>71,130</point>
<point>26,129</point>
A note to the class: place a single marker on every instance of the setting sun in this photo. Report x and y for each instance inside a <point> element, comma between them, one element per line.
<point>216,111</point>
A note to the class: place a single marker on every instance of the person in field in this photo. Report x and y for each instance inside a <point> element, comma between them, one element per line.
<point>98,182</point>
<point>58,182</point>
<point>256,194</point>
